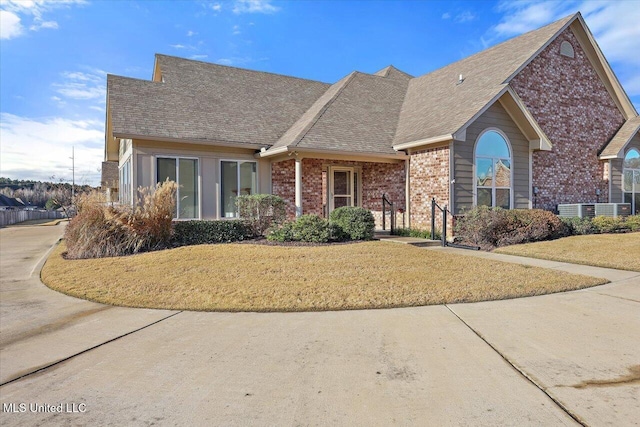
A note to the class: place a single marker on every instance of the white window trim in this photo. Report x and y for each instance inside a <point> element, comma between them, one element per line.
<point>129,162</point>
<point>219,203</point>
<point>493,187</point>
<point>634,190</point>
<point>354,170</point>
<point>177,159</point>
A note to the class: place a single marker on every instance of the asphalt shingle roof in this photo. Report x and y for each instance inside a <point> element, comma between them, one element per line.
<point>200,101</point>
<point>436,105</point>
<point>628,130</point>
<point>206,102</point>
<point>357,114</point>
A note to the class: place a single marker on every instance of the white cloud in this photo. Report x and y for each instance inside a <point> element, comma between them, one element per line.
<point>216,7</point>
<point>466,16</point>
<point>10,25</point>
<point>225,61</point>
<point>236,29</point>
<point>178,46</point>
<point>13,12</point>
<point>39,24</point>
<point>39,148</point>
<point>613,24</point>
<point>446,15</point>
<point>191,33</point>
<point>82,85</point>
<point>196,57</point>
<point>254,6</point>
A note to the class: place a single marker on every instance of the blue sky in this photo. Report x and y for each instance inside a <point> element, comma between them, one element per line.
<point>54,55</point>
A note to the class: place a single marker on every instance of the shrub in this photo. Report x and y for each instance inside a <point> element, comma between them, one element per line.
<point>100,230</point>
<point>356,223</point>
<point>201,232</point>
<point>578,226</point>
<point>490,228</point>
<point>261,211</point>
<point>633,222</point>
<point>413,232</point>
<point>607,224</point>
<point>307,228</point>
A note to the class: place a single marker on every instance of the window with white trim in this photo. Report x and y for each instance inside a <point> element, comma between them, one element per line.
<point>631,180</point>
<point>124,182</point>
<point>183,171</point>
<point>493,172</point>
<point>237,178</point>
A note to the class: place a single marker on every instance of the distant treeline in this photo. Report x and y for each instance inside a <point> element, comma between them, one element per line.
<point>38,193</point>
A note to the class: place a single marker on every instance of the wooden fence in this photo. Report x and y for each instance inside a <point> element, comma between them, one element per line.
<point>15,216</point>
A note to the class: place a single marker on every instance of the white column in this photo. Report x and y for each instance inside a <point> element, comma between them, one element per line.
<point>298,186</point>
<point>407,191</point>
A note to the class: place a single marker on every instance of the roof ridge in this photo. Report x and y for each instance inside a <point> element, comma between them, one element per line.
<point>213,64</point>
<point>568,18</point>
<point>347,79</point>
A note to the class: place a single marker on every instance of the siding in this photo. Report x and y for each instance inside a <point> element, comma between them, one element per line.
<point>616,171</point>
<point>496,117</point>
<point>146,152</point>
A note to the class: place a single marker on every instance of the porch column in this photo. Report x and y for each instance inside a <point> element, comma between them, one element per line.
<point>407,191</point>
<point>298,186</point>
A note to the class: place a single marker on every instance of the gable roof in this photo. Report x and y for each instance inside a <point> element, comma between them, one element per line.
<point>377,114</point>
<point>358,114</point>
<point>392,72</point>
<point>203,102</point>
<point>436,104</point>
<point>615,147</point>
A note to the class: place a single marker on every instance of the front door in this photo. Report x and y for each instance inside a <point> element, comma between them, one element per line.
<point>343,187</point>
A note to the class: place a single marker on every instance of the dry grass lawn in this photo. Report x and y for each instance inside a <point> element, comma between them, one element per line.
<point>621,251</point>
<point>247,277</point>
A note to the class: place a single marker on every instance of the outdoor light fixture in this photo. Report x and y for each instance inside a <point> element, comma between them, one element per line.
<point>535,197</point>
<point>597,195</point>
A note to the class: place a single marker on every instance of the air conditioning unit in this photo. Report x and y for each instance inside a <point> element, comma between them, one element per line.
<point>613,209</point>
<point>581,210</point>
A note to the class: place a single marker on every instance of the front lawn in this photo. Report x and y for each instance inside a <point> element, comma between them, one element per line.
<point>249,277</point>
<point>621,251</point>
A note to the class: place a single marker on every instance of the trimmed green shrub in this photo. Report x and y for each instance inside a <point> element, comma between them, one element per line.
<point>261,211</point>
<point>307,228</point>
<point>579,226</point>
<point>632,222</point>
<point>606,224</point>
<point>413,232</point>
<point>101,230</point>
<point>356,223</point>
<point>491,228</point>
<point>199,232</point>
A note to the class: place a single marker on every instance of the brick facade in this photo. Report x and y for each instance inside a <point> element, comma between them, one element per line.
<point>428,177</point>
<point>283,184</point>
<point>572,106</point>
<point>377,178</point>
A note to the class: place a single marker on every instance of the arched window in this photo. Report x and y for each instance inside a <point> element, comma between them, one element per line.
<point>493,180</point>
<point>631,180</point>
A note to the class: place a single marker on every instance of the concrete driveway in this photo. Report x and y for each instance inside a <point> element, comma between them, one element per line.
<point>564,359</point>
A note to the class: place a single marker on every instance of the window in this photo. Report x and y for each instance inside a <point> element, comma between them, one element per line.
<point>631,180</point>
<point>566,49</point>
<point>493,179</point>
<point>125,182</point>
<point>185,173</point>
<point>237,178</point>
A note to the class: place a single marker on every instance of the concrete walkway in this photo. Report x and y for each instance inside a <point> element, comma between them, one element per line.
<point>561,359</point>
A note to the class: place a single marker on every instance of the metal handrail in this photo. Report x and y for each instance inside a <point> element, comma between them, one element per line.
<point>444,211</point>
<point>386,201</point>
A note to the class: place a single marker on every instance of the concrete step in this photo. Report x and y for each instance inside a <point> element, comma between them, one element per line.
<point>413,241</point>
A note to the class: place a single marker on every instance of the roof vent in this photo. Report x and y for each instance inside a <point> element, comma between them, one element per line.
<point>460,79</point>
<point>566,49</point>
